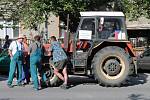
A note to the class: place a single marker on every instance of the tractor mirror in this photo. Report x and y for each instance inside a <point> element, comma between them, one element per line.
<point>101,20</point>
<point>101,24</point>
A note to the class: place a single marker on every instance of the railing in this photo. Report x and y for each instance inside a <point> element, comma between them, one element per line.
<point>139,45</point>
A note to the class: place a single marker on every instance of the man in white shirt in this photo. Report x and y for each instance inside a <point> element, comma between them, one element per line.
<point>16,54</point>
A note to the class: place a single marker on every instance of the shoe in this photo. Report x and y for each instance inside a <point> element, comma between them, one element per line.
<point>10,86</point>
<point>37,89</point>
<point>23,83</point>
<point>64,86</point>
<point>20,84</point>
<point>29,83</point>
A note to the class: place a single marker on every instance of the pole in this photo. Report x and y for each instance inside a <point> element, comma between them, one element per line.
<point>66,41</point>
<point>46,27</point>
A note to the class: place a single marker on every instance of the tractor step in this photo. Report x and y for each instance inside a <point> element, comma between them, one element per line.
<point>79,70</point>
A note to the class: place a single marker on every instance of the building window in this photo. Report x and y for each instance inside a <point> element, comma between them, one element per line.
<point>16,32</point>
<point>9,28</point>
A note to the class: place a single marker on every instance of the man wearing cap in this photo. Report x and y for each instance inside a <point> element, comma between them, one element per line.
<point>36,52</point>
<point>16,54</point>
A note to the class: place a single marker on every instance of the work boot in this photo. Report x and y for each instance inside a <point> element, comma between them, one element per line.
<point>37,89</point>
<point>20,84</point>
<point>10,86</point>
<point>64,86</point>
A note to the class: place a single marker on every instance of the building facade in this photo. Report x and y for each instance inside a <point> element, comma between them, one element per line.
<point>8,28</point>
<point>13,32</point>
<point>53,28</point>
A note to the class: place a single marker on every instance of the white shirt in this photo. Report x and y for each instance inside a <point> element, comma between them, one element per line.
<point>13,47</point>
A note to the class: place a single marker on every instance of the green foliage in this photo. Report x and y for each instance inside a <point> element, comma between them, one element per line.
<point>136,8</point>
<point>34,12</point>
<point>1,26</point>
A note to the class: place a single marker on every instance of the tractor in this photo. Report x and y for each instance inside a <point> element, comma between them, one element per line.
<point>100,48</point>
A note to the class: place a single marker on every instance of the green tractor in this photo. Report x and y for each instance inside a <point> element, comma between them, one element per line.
<point>100,48</point>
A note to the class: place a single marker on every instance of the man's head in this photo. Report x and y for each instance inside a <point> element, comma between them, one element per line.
<point>37,38</point>
<point>6,37</point>
<point>53,38</point>
<point>20,38</point>
<point>24,38</point>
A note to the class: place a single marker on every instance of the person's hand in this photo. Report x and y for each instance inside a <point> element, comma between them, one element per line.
<point>10,55</point>
<point>49,53</point>
<point>25,62</point>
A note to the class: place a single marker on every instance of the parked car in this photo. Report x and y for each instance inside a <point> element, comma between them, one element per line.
<point>143,60</point>
<point>4,61</point>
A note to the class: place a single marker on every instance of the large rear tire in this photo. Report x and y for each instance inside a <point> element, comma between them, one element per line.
<point>111,66</point>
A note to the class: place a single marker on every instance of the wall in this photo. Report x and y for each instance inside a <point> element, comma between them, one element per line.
<point>53,28</point>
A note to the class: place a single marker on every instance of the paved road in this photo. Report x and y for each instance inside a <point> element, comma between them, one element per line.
<point>83,88</point>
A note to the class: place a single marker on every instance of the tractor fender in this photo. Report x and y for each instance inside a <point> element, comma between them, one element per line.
<point>126,45</point>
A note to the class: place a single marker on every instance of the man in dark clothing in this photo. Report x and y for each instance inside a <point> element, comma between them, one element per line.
<point>7,42</point>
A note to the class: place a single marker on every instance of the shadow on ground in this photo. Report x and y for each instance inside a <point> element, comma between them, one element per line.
<point>141,78</point>
<point>131,81</point>
<point>137,97</point>
<point>5,99</point>
<point>78,80</point>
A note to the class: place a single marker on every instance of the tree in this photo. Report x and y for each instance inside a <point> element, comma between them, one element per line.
<point>32,12</point>
<point>134,9</point>
<point>35,12</point>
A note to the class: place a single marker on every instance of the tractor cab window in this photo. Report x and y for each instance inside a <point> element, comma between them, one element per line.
<point>85,34</point>
<point>88,24</point>
<point>107,27</point>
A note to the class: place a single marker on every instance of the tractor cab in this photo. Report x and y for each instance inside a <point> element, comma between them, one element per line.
<point>95,28</point>
<point>102,25</point>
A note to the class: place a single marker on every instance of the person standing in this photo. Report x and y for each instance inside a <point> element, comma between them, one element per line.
<point>0,45</point>
<point>36,52</point>
<point>7,42</point>
<point>26,64</point>
<point>16,54</point>
<point>60,61</point>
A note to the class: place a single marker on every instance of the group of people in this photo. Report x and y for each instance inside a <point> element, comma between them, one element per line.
<point>27,59</point>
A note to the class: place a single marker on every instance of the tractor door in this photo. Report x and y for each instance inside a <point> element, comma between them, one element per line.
<point>83,43</point>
